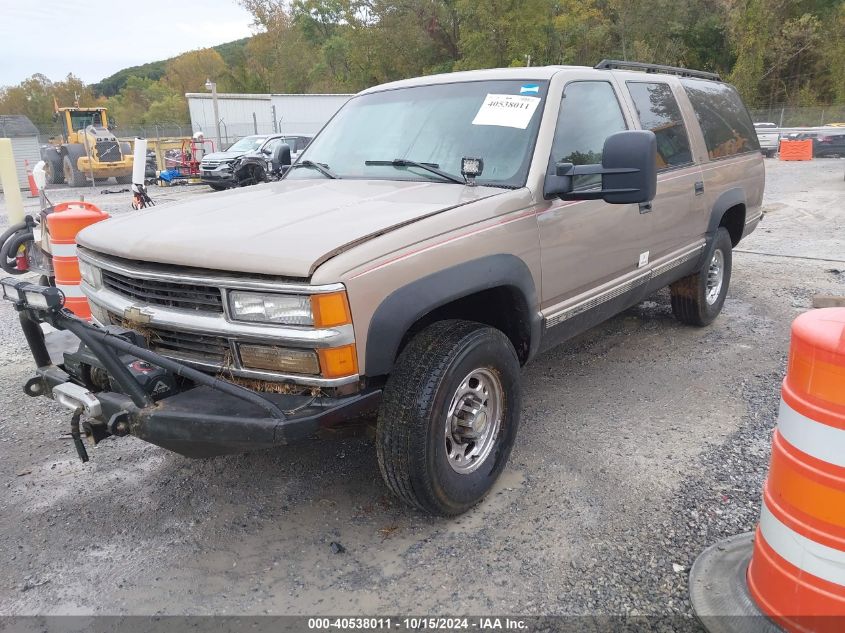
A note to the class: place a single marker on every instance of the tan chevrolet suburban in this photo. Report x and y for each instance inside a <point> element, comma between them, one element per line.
<point>436,235</point>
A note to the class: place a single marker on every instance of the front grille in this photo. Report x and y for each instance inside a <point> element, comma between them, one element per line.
<point>165,293</point>
<point>209,164</point>
<point>189,346</point>
<point>108,151</point>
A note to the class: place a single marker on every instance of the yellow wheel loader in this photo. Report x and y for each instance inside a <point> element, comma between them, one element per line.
<point>86,149</point>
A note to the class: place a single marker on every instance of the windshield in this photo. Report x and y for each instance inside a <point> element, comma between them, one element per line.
<point>247,144</point>
<point>80,120</point>
<point>496,121</point>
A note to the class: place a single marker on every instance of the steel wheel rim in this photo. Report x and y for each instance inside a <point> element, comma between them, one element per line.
<point>715,277</point>
<point>473,420</point>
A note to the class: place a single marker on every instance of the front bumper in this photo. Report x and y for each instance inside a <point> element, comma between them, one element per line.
<point>217,176</point>
<point>105,170</point>
<point>205,416</point>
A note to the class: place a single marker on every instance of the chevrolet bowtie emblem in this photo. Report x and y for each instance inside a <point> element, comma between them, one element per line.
<point>136,315</point>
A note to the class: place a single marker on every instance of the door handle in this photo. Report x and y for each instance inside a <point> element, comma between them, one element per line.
<point>699,188</point>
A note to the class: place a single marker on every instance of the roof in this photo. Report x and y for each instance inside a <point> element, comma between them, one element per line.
<point>261,97</point>
<point>533,73</point>
<point>537,73</point>
<point>16,125</point>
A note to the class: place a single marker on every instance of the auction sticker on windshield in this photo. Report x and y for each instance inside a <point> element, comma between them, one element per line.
<point>506,111</point>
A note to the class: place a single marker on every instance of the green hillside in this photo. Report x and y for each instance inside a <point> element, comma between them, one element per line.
<point>231,52</point>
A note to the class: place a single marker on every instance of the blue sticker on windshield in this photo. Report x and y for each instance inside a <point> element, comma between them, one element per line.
<point>530,89</point>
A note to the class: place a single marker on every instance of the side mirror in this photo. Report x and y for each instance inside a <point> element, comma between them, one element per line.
<point>628,171</point>
<point>281,157</point>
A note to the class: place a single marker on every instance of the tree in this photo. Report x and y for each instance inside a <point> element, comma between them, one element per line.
<point>189,71</point>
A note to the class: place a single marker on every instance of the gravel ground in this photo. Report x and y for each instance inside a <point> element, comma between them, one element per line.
<point>641,443</point>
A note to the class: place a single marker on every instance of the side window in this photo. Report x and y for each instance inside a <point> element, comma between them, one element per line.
<point>589,113</point>
<point>724,121</point>
<point>271,145</point>
<point>659,112</point>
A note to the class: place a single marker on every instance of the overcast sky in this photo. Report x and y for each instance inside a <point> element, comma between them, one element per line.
<point>93,39</point>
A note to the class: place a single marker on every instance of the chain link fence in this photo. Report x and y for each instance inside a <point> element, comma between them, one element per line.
<point>230,132</point>
<point>147,130</point>
<point>789,117</point>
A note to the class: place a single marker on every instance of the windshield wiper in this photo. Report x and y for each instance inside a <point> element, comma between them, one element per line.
<point>430,167</point>
<point>322,168</point>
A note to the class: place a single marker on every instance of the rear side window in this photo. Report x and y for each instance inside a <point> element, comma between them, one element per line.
<point>589,113</point>
<point>659,112</point>
<point>725,122</point>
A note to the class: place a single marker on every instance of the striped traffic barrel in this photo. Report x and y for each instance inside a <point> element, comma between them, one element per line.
<point>63,224</point>
<point>791,569</point>
<point>797,570</point>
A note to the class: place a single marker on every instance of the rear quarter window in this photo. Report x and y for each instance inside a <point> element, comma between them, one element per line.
<point>724,120</point>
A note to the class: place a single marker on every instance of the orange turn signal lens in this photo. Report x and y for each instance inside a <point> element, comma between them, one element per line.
<point>337,362</point>
<point>330,309</point>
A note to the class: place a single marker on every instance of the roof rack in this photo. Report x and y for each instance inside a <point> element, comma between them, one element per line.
<point>616,64</point>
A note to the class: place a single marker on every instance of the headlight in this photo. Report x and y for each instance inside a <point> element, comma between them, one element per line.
<point>271,308</point>
<point>90,274</point>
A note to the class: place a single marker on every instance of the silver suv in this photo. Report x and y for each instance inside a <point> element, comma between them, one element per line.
<point>437,234</point>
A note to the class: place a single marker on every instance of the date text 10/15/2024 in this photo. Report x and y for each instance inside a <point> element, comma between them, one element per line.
<point>418,624</point>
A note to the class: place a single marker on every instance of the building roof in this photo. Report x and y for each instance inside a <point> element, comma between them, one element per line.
<point>13,125</point>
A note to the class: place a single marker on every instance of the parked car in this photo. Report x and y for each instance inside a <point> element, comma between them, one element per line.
<point>256,166</point>
<point>216,169</point>
<point>829,145</point>
<point>769,138</point>
<point>436,235</point>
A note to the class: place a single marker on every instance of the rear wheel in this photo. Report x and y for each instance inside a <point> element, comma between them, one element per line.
<point>698,298</point>
<point>124,180</point>
<point>449,416</point>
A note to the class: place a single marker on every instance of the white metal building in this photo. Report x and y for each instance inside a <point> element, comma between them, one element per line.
<point>25,145</point>
<point>244,114</point>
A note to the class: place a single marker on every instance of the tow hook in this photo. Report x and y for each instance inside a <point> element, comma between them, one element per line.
<point>77,436</point>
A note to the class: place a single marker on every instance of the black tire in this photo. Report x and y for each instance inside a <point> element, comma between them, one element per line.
<point>411,432</point>
<point>218,187</point>
<point>124,180</point>
<point>53,167</point>
<point>251,175</point>
<point>689,295</point>
<point>73,176</point>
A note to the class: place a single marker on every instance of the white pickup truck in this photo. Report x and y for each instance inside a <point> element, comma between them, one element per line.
<point>769,136</point>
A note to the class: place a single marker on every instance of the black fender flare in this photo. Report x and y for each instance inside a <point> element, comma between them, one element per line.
<point>51,153</point>
<point>405,306</point>
<point>727,199</point>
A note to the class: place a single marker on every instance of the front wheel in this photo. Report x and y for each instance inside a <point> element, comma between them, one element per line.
<point>698,298</point>
<point>449,416</point>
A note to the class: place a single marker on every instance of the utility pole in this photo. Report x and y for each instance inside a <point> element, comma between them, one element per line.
<point>212,85</point>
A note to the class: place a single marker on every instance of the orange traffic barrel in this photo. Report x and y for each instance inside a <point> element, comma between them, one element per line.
<point>66,221</point>
<point>796,150</point>
<point>791,570</point>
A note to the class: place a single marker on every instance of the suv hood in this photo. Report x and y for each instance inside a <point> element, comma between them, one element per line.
<point>286,228</point>
<point>222,155</point>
